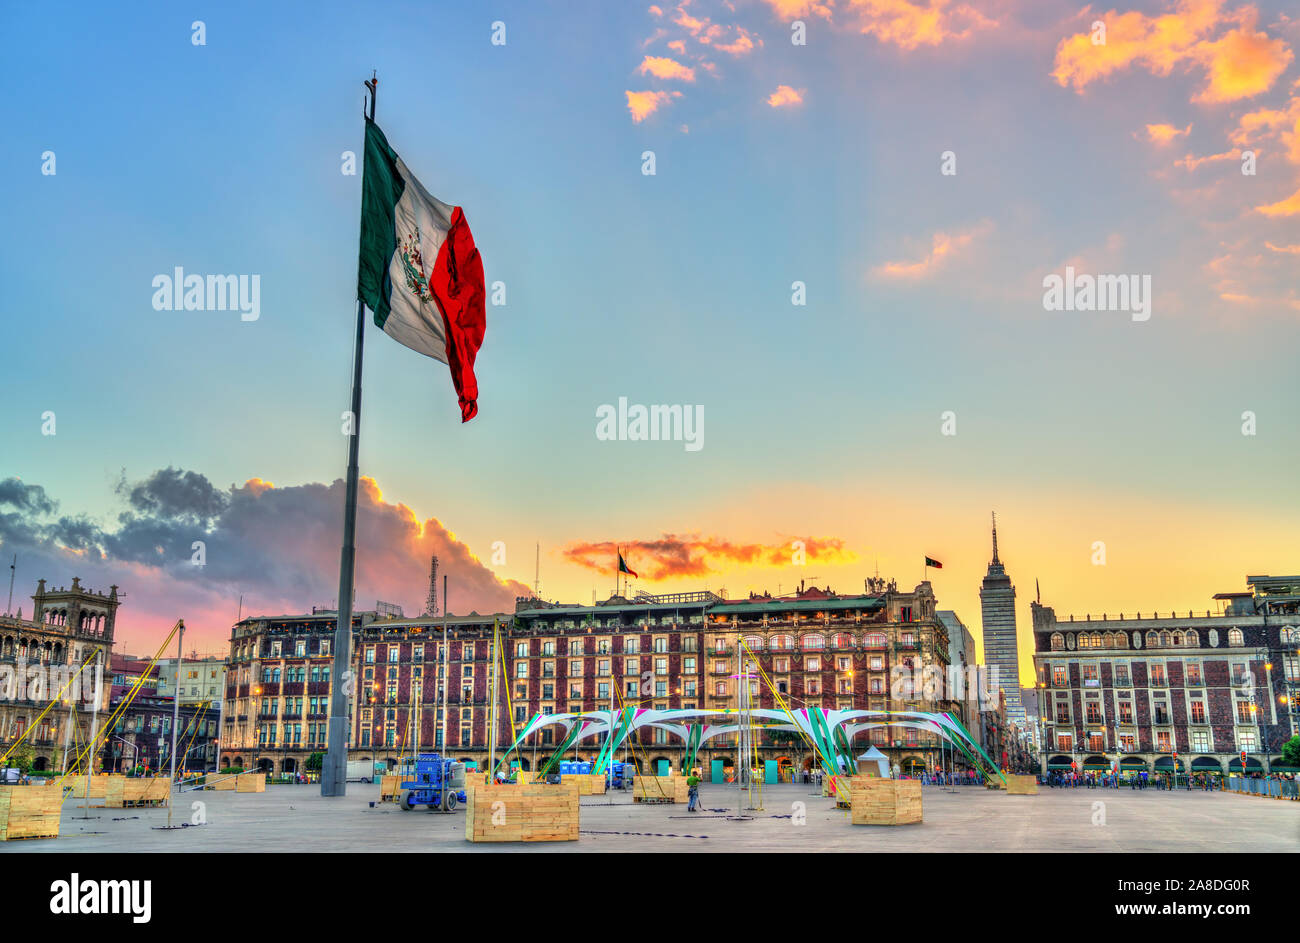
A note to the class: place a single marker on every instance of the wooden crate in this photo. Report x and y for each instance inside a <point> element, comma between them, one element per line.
<point>98,786</point>
<point>250,782</point>
<point>521,813</point>
<point>671,788</point>
<point>885,801</point>
<point>127,792</point>
<point>589,784</point>
<point>390,788</point>
<point>30,811</point>
<point>1022,785</point>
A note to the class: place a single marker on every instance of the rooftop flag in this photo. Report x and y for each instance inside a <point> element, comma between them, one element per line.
<point>622,566</point>
<point>419,271</point>
<point>930,561</point>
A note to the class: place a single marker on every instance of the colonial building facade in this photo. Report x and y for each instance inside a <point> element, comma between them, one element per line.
<point>672,651</point>
<point>1159,692</point>
<point>38,657</point>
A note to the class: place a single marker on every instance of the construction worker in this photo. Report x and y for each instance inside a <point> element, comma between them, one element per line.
<point>692,791</point>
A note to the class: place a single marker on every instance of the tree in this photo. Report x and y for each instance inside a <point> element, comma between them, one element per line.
<point>1291,751</point>
<point>22,758</point>
<point>314,762</point>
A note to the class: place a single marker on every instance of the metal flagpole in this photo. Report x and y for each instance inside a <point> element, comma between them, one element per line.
<point>333,780</point>
<point>176,713</point>
<point>446,679</point>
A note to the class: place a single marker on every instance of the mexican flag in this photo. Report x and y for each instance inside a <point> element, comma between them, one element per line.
<point>419,271</point>
<point>931,562</point>
<point>622,565</point>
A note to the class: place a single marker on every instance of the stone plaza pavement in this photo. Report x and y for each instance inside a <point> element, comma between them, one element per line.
<point>297,819</point>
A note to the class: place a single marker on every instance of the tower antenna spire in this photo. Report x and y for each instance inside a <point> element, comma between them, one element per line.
<point>995,537</point>
<point>431,602</point>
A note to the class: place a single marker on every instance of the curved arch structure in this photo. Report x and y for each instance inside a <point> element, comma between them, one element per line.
<point>831,732</point>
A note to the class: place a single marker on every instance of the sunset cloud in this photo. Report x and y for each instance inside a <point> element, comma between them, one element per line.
<point>1162,134</point>
<point>1287,207</point>
<point>785,96</point>
<point>276,547</point>
<point>1238,62</point>
<point>644,104</point>
<point>909,24</point>
<point>942,247</point>
<point>1191,162</point>
<point>676,556</point>
<point>662,67</point>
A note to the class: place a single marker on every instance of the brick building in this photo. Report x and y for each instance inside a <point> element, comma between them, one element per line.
<point>1131,692</point>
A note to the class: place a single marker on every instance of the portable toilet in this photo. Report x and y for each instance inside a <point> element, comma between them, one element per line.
<point>716,774</point>
<point>661,767</point>
<point>769,772</point>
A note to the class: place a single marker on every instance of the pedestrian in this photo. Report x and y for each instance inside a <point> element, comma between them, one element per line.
<point>692,792</point>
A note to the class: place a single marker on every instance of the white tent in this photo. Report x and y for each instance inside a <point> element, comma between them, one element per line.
<point>881,761</point>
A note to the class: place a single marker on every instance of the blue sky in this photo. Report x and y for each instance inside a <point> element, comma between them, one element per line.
<point>821,420</point>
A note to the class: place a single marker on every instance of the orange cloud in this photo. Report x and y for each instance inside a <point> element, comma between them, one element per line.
<point>1162,134</point>
<point>1288,207</point>
<point>656,11</point>
<point>678,47</point>
<point>785,96</point>
<point>662,67</point>
<point>1272,124</point>
<point>942,246</point>
<point>644,104</point>
<point>912,23</point>
<point>1191,162</point>
<point>672,556</point>
<point>1289,250</point>
<point>797,9</point>
<point>1240,63</point>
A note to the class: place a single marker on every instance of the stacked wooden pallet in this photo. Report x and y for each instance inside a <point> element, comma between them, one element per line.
<point>521,813</point>
<point>250,782</point>
<point>98,786</point>
<point>390,788</point>
<point>878,801</point>
<point>589,784</point>
<point>127,792</point>
<point>30,811</point>
<point>1022,785</point>
<point>671,788</point>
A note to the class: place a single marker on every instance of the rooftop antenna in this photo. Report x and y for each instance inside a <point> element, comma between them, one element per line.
<point>537,573</point>
<point>1037,591</point>
<point>995,537</point>
<point>13,568</point>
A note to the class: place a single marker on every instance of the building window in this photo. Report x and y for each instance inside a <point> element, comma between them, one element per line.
<point>661,666</point>
<point>814,642</point>
<point>661,644</point>
<point>1126,712</point>
<point>1158,676</point>
<point>1245,712</point>
<point>1164,743</point>
<point>1235,637</point>
<point>1064,742</point>
<point>1058,642</point>
<point>1192,670</point>
<point>521,649</point>
<point>575,667</point>
<point>1197,712</point>
<point>1059,676</point>
<point>812,663</point>
<point>688,666</point>
<point>1121,675</point>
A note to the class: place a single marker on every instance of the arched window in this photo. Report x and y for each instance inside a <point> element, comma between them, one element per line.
<point>1058,642</point>
<point>1192,638</point>
<point>874,640</point>
<point>1178,639</point>
<point>1235,637</point>
<point>1096,640</point>
<point>813,642</point>
<point>753,643</point>
<point>782,643</point>
<point>1121,640</point>
<point>1153,639</point>
<point>843,640</point>
<point>1166,638</point>
<point>1290,635</point>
